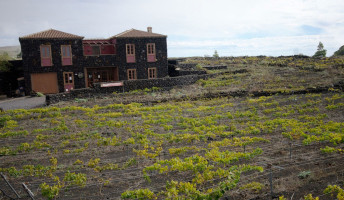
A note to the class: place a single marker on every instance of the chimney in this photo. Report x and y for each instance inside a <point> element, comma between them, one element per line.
<point>149,29</point>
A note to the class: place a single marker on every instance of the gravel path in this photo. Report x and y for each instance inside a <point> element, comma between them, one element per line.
<point>22,102</point>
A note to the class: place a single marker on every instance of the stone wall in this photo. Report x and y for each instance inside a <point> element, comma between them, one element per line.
<point>216,67</point>
<point>128,85</point>
<point>190,72</point>
<point>187,66</point>
<point>141,65</point>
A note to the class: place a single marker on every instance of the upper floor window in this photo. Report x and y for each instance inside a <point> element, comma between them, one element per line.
<point>107,49</point>
<point>96,50</point>
<point>66,54</point>
<point>46,55</point>
<point>130,52</point>
<point>131,74</point>
<point>151,52</point>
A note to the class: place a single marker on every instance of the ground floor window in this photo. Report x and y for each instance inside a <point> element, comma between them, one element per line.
<point>101,74</point>
<point>151,73</point>
<point>131,74</point>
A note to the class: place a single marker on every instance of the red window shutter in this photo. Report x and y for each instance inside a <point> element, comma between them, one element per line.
<point>87,50</point>
<point>66,55</point>
<point>46,55</point>
<point>151,52</point>
<point>107,49</point>
<point>130,50</point>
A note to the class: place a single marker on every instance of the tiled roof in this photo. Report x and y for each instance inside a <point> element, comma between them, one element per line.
<point>133,33</point>
<point>51,34</point>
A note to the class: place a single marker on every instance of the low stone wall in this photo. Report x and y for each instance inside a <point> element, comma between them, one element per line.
<point>216,67</point>
<point>188,72</point>
<point>128,85</point>
<point>187,66</point>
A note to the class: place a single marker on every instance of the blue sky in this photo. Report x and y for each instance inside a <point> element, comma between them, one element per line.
<point>194,27</point>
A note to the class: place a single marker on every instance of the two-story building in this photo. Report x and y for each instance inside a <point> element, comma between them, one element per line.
<point>55,61</point>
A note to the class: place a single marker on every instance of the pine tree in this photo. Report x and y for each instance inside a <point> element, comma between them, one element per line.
<point>216,55</point>
<point>321,52</point>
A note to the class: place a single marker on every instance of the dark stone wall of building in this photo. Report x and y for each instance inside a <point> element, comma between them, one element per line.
<point>141,65</point>
<point>32,60</point>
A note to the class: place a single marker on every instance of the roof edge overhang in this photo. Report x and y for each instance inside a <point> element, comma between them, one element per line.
<point>24,38</point>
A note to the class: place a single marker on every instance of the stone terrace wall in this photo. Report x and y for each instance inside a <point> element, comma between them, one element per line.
<point>216,67</point>
<point>128,85</point>
<point>188,72</point>
<point>187,66</point>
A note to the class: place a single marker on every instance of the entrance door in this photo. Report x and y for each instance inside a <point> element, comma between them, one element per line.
<point>68,80</point>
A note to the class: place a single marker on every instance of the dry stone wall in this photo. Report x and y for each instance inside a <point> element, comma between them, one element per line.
<point>128,85</point>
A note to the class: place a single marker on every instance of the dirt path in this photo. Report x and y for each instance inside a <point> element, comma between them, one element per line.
<point>22,102</point>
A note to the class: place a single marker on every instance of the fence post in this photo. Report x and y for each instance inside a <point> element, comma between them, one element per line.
<point>127,150</point>
<point>8,183</point>
<point>269,166</point>
<point>28,191</point>
<point>290,148</point>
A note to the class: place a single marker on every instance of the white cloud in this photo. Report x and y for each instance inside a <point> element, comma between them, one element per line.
<point>194,27</point>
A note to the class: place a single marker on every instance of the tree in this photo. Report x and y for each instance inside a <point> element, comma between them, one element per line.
<point>339,52</point>
<point>321,52</point>
<point>216,55</point>
<point>4,64</point>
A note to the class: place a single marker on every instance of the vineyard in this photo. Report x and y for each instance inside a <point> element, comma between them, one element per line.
<point>171,145</point>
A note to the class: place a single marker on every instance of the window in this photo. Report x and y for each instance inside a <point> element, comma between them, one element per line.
<point>151,73</point>
<point>131,74</point>
<point>130,52</point>
<point>107,49</point>
<point>46,55</point>
<point>151,52</point>
<point>95,50</point>
<point>66,54</point>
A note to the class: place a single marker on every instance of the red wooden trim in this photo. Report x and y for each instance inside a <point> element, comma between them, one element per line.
<point>151,52</point>
<point>66,60</point>
<point>130,53</point>
<point>68,81</point>
<point>46,59</point>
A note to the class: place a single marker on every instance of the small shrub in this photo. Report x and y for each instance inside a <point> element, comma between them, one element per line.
<point>304,174</point>
<point>253,186</point>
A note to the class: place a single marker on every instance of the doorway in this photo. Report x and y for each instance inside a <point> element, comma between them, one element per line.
<point>101,74</point>
<point>68,80</point>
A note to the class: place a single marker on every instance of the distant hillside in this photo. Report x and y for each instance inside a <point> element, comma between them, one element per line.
<point>11,50</point>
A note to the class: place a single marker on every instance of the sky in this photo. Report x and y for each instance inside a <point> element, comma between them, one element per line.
<point>193,27</point>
